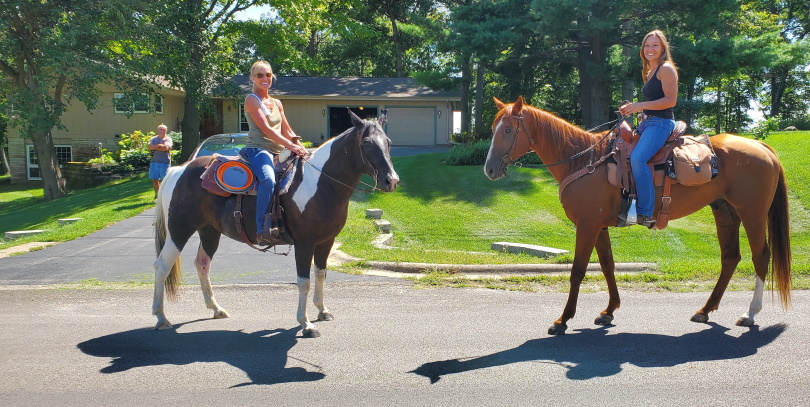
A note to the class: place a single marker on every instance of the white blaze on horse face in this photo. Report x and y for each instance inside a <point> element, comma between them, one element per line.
<point>309,184</point>
<point>492,144</point>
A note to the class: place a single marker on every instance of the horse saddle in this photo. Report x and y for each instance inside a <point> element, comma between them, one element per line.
<point>678,161</point>
<point>225,175</point>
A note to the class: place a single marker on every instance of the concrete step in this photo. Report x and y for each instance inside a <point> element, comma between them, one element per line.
<point>11,235</point>
<point>534,250</point>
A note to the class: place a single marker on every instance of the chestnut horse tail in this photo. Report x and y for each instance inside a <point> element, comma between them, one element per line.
<point>172,282</point>
<point>779,239</point>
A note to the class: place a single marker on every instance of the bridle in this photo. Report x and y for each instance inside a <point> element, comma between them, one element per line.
<point>364,159</point>
<point>520,125</point>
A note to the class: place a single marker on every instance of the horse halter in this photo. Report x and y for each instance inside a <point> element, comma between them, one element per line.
<point>517,128</point>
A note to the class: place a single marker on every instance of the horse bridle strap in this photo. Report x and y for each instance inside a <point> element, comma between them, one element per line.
<point>565,160</point>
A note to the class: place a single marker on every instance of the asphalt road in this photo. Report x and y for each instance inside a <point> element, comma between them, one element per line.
<point>392,345</point>
<point>389,345</point>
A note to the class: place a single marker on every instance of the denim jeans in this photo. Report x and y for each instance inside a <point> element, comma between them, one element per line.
<point>261,163</point>
<point>654,132</point>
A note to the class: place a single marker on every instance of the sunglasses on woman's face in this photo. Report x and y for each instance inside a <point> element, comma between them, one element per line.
<point>262,75</point>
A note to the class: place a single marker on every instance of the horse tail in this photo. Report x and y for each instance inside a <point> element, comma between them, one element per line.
<point>172,282</point>
<point>779,239</point>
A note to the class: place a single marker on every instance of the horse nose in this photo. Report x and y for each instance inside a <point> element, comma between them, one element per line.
<point>391,181</point>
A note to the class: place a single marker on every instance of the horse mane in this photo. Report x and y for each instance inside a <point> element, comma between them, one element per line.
<point>554,133</point>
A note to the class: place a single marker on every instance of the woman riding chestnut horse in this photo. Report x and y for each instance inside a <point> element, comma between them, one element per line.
<point>753,195</point>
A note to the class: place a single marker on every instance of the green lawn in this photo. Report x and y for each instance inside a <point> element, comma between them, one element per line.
<point>22,208</point>
<point>441,213</point>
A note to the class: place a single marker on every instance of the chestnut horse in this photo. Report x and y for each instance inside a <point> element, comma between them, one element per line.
<point>315,210</point>
<point>750,189</point>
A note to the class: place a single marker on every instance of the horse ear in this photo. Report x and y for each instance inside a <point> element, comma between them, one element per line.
<point>383,117</point>
<point>357,122</point>
<point>500,105</point>
<point>518,106</point>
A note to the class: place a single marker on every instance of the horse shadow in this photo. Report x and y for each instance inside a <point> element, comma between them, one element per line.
<point>592,353</point>
<point>261,355</point>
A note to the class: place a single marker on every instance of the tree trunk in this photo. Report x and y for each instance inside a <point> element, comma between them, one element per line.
<point>628,86</point>
<point>466,73</point>
<point>719,120</point>
<point>5,169</point>
<point>397,39</point>
<point>190,128</point>
<point>53,184</point>
<point>479,98</point>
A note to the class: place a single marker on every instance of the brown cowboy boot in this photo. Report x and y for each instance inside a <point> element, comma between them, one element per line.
<point>270,235</point>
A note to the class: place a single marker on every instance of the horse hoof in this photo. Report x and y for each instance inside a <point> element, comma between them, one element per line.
<point>604,320</point>
<point>745,321</point>
<point>557,329</point>
<point>311,333</point>
<point>221,314</point>
<point>162,326</point>
<point>325,316</point>
<point>701,318</point>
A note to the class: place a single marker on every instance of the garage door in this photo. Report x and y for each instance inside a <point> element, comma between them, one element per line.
<point>412,126</point>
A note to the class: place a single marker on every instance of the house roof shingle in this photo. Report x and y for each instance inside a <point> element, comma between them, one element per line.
<point>349,87</point>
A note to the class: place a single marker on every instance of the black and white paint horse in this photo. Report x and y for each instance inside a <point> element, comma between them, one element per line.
<point>315,209</point>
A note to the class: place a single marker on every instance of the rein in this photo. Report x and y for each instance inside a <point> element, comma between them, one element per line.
<point>372,189</point>
<point>565,160</point>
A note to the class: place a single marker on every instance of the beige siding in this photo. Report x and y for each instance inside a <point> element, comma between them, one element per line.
<point>308,117</point>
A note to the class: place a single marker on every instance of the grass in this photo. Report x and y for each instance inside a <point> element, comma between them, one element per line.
<point>22,208</point>
<point>440,214</point>
<point>444,214</point>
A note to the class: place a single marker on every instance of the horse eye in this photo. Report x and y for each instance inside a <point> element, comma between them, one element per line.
<point>508,131</point>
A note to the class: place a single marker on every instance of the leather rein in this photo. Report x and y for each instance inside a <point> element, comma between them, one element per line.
<point>588,169</point>
<point>366,161</point>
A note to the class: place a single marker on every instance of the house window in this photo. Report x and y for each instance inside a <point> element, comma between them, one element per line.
<point>140,103</point>
<point>64,154</point>
<point>158,104</point>
<point>243,124</point>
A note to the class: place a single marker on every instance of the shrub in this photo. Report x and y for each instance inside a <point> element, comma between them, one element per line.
<point>136,159</point>
<point>764,128</point>
<point>476,154</point>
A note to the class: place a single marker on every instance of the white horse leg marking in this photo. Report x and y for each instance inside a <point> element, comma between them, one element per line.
<point>309,330</point>
<point>747,319</point>
<point>169,253</point>
<point>317,297</point>
<point>309,184</point>
<point>203,265</point>
<point>163,266</point>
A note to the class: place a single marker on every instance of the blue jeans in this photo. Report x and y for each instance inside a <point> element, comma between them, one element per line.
<point>654,132</point>
<point>261,163</point>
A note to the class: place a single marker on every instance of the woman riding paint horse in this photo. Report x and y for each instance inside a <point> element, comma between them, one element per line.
<point>315,209</point>
<point>660,93</point>
<point>268,134</point>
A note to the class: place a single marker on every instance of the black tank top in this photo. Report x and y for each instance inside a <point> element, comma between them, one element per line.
<point>653,90</point>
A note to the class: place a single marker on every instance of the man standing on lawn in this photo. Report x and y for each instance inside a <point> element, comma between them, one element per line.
<point>160,146</point>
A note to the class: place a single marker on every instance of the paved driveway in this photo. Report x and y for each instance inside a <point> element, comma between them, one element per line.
<point>125,252</point>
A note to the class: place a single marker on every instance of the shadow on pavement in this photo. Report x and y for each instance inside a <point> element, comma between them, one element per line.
<point>261,355</point>
<point>592,353</point>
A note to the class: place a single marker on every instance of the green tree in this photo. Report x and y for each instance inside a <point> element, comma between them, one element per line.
<point>55,52</point>
<point>188,47</point>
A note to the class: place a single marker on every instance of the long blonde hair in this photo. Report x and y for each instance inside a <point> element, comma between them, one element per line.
<point>666,55</point>
<point>260,64</point>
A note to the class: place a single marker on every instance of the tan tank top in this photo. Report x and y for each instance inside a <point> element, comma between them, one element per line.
<point>256,138</point>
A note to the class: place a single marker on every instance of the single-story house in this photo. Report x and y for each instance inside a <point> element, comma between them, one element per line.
<point>316,108</point>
